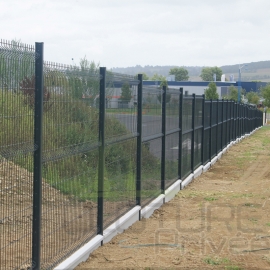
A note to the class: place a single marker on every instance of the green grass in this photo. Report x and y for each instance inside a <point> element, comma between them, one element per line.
<point>210,199</point>
<point>221,261</point>
<point>268,224</point>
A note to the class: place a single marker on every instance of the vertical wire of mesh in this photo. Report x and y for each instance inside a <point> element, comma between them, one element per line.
<point>17,62</point>
<point>120,146</point>
<point>70,143</point>
<point>151,146</point>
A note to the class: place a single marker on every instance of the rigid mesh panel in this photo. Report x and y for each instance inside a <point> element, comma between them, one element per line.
<point>219,111</point>
<point>17,83</point>
<point>121,113</point>
<point>119,180</point>
<point>224,134</point>
<point>206,147</point>
<point>151,170</point>
<point>219,137</point>
<point>214,141</point>
<point>172,110</point>
<point>171,155</point>
<point>198,112</point>
<point>207,116</point>
<point>70,160</point>
<point>197,148</point>
<point>152,111</point>
<point>214,113</point>
<point>186,154</point>
<point>187,114</point>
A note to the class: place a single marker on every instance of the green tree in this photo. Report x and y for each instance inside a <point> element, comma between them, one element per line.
<point>266,95</point>
<point>145,76</point>
<point>233,94</point>
<point>211,91</point>
<point>84,80</point>
<point>157,77</point>
<point>181,74</point>
<point>126,94</point>
<point>208,73</point>
<point>253,97</point>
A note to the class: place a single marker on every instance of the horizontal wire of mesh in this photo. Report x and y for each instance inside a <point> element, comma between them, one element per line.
<point>119,180</point>
<point>151,171</point>
<point>17,61</point>
<point>171,157</point>
<point>70,156</point>
<point>151,111</point>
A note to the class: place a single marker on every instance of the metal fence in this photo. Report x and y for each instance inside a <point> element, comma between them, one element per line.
<point>73,158</point>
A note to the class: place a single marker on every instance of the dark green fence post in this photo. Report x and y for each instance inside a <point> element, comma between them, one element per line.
<point>193,131</point>
<point>101,160</point>
<point>37,174</point>
<point>139,141</point>
<point>163,146</point>
<point>180,133</point>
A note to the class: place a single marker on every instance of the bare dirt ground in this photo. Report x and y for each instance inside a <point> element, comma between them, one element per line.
<point>220,221</point>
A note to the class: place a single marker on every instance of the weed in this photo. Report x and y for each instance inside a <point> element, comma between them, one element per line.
<point>210,199</point>
<point>231,267</point>
<point>211,261</point>
<point>268,224</point>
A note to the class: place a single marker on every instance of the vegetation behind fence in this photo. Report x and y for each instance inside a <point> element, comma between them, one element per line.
<point>74,157</point>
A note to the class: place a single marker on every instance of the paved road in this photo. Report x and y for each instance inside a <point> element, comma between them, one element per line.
<point>152,125</point>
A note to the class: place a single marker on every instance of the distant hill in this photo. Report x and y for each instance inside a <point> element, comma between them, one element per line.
<point>256,71</point>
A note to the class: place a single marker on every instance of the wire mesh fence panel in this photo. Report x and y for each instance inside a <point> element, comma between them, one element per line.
<point>70,155</point>
<point>151,112</point>
<point>187,114</point>
<point>198,112</point>
<point>197,148</point>
<point>17,63</point>
<point>219,126</point>
<point>172,110</point>
<point>219,137</point>
<point>151,168</point>
<point>119,180</point>
<point>214,112</point>
<point>206,147</point>
<point>207,115</point>
<point>186,154</point>
<point>171,156</point>
<point>121,107</point>
<point>120,146</point>
<point>214,141</point>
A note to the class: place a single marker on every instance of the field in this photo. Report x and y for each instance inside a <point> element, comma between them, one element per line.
<point>220,221</point>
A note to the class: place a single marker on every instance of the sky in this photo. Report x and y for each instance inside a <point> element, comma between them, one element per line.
<point>122,33</point>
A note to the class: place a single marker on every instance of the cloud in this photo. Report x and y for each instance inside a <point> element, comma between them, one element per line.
<point>154,32</point>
